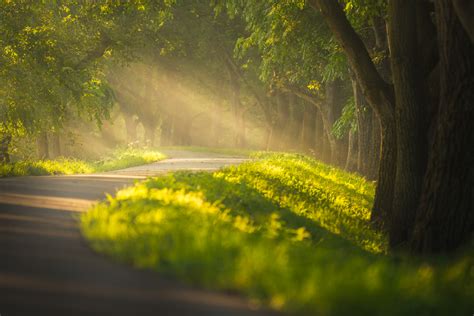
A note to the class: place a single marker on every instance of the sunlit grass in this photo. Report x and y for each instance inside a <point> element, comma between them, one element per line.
<point>119,159</point>
<point>285,230</point>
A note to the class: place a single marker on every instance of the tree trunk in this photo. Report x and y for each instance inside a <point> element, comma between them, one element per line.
<point>310,128</point>
<point>409,118</point>
<point>294,124</point>
<point>382,209</point>
<point>375,148</point>
<point>364,130</point>
<point>4,148</point>
<point>379,95</point>
<point>318,135</point>
<point>351,160</point>
<point>42,146</point>
<point>55,143</point>
<point>331,110</point>
<point>445,217</point>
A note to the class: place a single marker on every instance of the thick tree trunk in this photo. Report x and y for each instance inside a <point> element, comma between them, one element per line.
<point>409,117</point>
<point>445,217</point>
<point>42,146</point>
<point>382,209</point>
<point>55,144</point>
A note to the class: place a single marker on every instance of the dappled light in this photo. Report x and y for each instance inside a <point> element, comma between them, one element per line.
<point>307,157</point>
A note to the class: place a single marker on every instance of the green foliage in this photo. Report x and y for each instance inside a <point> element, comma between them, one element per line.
<point>54,56</point>
<point>286,230</point>
<point>347,121</point>
<point>119,159</point>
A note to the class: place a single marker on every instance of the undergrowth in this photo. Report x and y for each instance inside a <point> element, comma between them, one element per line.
<point>119,159</point>
<point>285,230</point>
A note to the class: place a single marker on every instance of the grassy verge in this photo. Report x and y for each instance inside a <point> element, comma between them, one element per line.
<point>119,159</point>
<point>285,230</point>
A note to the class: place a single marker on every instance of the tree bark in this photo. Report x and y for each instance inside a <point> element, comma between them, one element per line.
<point>375,148</point>
<point>409,117</point>
<point>382,209</point>
<point>445,217</point>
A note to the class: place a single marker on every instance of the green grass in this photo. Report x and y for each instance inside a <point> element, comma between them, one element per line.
<point>119,159</point>
<point>287,231</point>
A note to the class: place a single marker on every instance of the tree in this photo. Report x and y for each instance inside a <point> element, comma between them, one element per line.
<point>379,95</point>
<point>445,218</point>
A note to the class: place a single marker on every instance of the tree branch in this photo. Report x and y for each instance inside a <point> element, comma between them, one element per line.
<point>378,92</point>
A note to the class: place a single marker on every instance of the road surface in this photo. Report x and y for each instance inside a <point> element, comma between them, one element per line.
<point>46,267</point>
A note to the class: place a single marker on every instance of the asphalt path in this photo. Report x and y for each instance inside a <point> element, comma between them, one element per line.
<point>46,267</point>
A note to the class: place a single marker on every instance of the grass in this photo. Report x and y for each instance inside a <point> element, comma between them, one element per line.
<point>287,231</point>
<point>119,159</point>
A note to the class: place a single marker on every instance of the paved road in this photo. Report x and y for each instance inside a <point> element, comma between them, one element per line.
<point>46,267</point>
